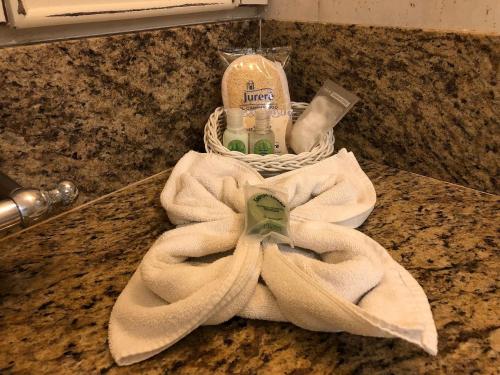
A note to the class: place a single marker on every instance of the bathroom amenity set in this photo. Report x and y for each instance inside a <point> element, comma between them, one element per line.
<point>256,84</point>
<point>253,84</point>
<point>282,248</point>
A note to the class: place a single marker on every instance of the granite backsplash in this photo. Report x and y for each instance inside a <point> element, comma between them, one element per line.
<point>108,111</point>
<point>429,100</point>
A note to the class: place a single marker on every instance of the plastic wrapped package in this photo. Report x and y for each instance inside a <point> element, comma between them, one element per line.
<point>256,79</point>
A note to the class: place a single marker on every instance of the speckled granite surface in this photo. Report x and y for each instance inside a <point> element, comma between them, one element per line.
<point>59,280</point>
<point>430,102</point>
<point>109,111</point>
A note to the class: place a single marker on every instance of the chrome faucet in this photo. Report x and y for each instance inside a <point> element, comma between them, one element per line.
<point>26,206</point>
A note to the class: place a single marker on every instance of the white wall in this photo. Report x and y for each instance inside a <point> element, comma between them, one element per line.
<point>481,16</point>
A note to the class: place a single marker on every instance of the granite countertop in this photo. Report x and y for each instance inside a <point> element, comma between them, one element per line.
<point>59,280</point>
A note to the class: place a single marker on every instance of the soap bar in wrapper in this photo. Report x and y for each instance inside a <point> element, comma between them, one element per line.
<point>327,108</point>
<point>267,213</point>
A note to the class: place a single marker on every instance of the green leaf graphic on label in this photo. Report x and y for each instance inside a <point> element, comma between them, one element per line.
<point>237,145</point>
<point>265,214</point>
<point>263,147</point>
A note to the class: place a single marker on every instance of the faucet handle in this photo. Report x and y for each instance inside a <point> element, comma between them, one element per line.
<point>65,193</point>
<point>34,205</point>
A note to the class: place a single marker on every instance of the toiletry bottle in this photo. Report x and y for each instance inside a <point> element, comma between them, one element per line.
<point>235,136</point>
<point>262,137</point>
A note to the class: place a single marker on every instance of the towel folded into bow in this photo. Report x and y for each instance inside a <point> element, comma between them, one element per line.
<point>205,271</point>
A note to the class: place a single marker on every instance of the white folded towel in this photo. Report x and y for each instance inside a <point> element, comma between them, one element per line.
<point>205,271</point>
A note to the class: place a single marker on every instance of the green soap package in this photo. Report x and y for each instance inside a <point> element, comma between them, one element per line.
<point>267,213</point>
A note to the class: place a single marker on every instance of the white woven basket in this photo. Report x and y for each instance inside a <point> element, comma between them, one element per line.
<point>268,163</point>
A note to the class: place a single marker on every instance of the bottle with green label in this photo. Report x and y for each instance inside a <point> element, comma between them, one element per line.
<point>261,140</point>
<point>235,137</point>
